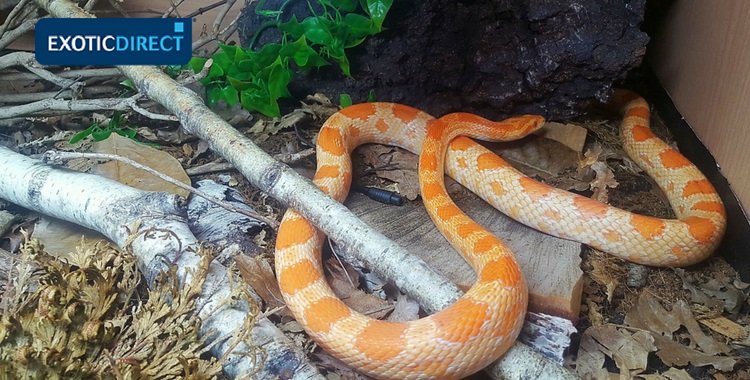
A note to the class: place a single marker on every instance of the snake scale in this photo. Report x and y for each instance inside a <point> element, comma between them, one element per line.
<point>481,326</point>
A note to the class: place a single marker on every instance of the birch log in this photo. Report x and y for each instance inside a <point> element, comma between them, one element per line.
<point>114,209</point>
<point>433,291</point>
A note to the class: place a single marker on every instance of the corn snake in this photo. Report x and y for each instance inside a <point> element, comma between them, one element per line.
<point>480,327</point>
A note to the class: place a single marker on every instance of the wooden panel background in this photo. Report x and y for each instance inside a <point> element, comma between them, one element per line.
<point>702,57</point>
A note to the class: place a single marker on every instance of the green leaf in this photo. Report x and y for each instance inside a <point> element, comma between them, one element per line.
<point>129,84</point>
<point>229,50</point>
<point>345,5</point>
<point>197,63</point>
<point>230,95</point>
<point>337,54</point>
<point>127,132</point>
<point>360,26</point>
<point>241,84</point>
<point>377,9</point>
<point>116,120</point>
<point>214,94</point>
<point>278,80</point>
<point>101,134</point>
<point>267,55</point>
<point>261,102</point>
<point>303,55</point>
<point>222,61</point>
<point>345,100</point>
<point>371,96</point>
<point>293,28</point>
<point>317,30</point>
<point>83,134</point>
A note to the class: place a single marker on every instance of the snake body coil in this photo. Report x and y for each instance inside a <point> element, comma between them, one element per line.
<point>482,325</point>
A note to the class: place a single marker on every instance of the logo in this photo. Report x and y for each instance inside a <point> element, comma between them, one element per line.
<point>118,41</point>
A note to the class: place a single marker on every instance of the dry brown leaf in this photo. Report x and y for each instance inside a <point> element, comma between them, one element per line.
<point>671,374</point>
<point>603,274</point>
<point>158,160</point>
<point>604,179</point>
<point>648,314</point>
<point>675,354</point>
<point>571,135</point>
<point>725,327</point>
<point>337,367</point>
<point>539,157</point>
<point>345,283</point>
<point>397,165</point>
<point>590,157</point>
<point>61,238</point>
<point>406,309</point>
<point>257,273</point>
<point>629,349</point>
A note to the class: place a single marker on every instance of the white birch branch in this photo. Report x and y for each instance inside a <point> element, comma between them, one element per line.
<point>114,209</point>
<point>433,291</point>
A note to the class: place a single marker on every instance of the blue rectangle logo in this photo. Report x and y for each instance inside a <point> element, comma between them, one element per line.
<point>113,41</point>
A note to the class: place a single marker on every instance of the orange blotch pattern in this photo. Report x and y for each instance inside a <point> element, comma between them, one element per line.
<point>702,229</point>
<point>590,208</point>
<point>381,126</point>
<point>462,321</point>
<point>648,227</point>
<point>354,131</point>
<point>534,189</point>
<point>361,111</point>
<point>381,340</point>
<point>642,133</point>
<point>465,229</point>
<point>330,141</point>
<point>295,231</point>
<point>447,212</point>
<point>322,314</point>
<point>462,143</point>
<point>497,188</point>
<point>428,162</point>
<point>298,276</point>
<point>486,244</point>
<point>701,186</point>
<point>612,236</point>
<point>497,270</point>
<point>327,171</point>
<point>487,161</point>
<point>643,112</point>
<point>431,190</point>
<point>710,206</point>
<point>405,114</point>
<point>672,159</point>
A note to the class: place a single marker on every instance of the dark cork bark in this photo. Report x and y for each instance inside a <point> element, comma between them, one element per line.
<point>494,58</point>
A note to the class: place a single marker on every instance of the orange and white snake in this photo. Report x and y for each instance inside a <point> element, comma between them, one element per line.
<point>481,326</point>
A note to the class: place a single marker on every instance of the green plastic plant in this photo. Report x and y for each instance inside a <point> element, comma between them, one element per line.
<point>257,79</point>
<point>99,133</point>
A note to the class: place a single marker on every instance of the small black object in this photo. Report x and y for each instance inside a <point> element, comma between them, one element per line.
<point>382,195</point>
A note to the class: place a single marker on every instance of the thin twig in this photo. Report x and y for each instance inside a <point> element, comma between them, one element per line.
<point>222,14</point>
<point>120,104</point>
<point>28,61</point>
<point>53,156</point>
<point>205,9</point>
<point>227,31</point>
<point>213,167</point>
<point>172,8</point>
<point>26,26</point>
<point>81,73</point>
<point>64,94</point>
<point>12,15</point>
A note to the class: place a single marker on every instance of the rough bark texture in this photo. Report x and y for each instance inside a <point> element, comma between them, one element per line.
<point>490,57</point>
